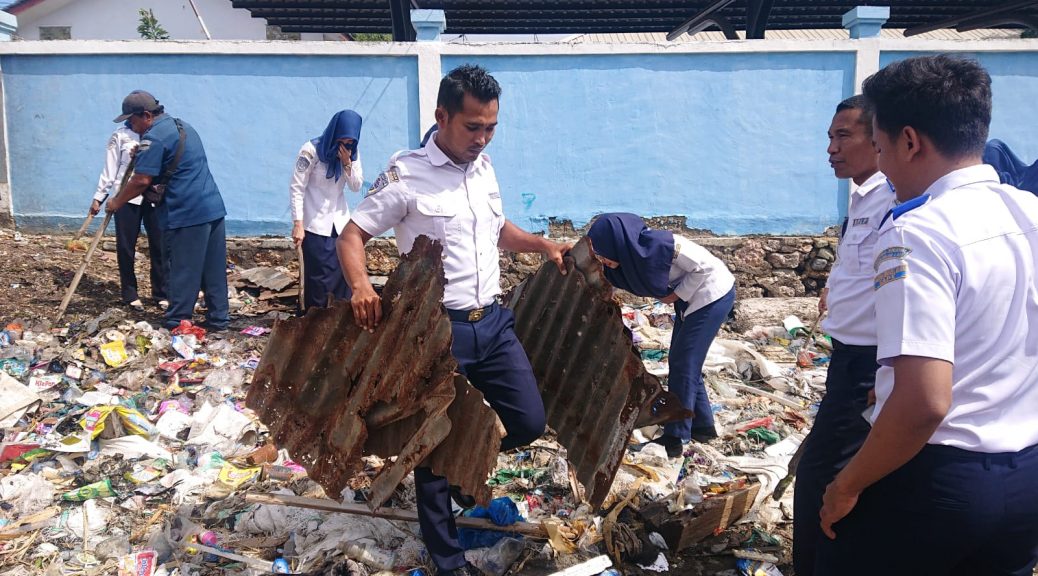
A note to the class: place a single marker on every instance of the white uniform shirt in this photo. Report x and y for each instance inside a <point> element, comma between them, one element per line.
<point>117,158</point>
<point>318,200</point>
<point>423,192</point>
<point>698,276</point>
<point>957,280</point>
<point>852,316</point>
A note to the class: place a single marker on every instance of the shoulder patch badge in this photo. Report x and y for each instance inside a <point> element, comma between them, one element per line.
<point>303,162</point>
<point>892,253</point>
<point>885,277</point>
<point>390,176</point>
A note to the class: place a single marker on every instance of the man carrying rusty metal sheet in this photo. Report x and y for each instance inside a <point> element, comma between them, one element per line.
<point>448,191</point>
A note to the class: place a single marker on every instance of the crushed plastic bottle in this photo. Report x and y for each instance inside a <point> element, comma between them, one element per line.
<point>496,560</point>
<point>371,555</point>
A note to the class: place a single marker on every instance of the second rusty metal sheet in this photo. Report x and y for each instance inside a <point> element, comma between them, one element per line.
<point>594,385</point>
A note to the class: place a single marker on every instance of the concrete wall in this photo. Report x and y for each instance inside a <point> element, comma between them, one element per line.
<point>118,19</point>
<point>730,136</point>
<point>252,112</point>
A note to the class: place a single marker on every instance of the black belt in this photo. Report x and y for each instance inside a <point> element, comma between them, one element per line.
<point>852,348</point>
<point>470,315</point>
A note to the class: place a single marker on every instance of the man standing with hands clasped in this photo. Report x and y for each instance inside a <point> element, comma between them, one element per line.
<point>945,482</point>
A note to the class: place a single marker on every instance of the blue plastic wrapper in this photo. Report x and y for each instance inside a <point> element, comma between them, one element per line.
<point>502,511</point>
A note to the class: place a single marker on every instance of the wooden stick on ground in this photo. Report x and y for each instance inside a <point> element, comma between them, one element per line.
<point>82,268</point>
<point>86,224</point>
<point>302,278</point>
<point>524,528</point>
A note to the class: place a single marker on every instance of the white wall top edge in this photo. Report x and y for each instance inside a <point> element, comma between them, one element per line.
<point>83,47</point>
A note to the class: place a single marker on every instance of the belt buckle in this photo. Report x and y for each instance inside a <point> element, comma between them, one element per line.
<point>477,314</point>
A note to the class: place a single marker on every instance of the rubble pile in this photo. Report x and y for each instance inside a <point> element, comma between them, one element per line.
<point>128,449</point>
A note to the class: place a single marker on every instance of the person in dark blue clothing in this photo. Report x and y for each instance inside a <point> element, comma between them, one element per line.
<point>676,270</point>
<point>1011,169</point>
<point>191,209</point>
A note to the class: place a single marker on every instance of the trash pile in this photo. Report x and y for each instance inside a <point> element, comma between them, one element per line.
<point>263,289</point>
<point>127,449</point>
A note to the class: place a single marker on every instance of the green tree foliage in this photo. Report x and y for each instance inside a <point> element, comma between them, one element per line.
<point>149,28</point>
<point>366,37</point>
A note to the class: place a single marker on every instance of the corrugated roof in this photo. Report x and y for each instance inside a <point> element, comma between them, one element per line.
<point>600,16</point>
<point>331,392</point>
<point>592,380</point>
<point>814,34</point>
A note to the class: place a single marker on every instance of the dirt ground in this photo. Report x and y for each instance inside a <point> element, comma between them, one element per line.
<point>36,271</point>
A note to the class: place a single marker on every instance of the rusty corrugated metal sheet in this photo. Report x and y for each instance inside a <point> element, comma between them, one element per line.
<point>331,392</point>
<point>594,385</point>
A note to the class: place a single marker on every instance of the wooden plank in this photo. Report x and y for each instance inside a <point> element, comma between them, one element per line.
<point>524,528</point>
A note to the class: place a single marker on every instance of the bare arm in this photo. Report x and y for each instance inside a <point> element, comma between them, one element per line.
<point>135,187</point>
<point>367,306</point>
<point>515,239</point>
<point>917,405</point>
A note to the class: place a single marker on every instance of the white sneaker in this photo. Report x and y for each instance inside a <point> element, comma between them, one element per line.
<point>163,304</point>
<point>137,305</point>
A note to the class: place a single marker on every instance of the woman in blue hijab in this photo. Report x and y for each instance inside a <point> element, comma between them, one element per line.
<point>674,270</point>
<point>324,167</point>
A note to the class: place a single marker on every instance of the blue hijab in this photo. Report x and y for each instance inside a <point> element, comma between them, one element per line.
<point>1011,170</point>
<point>345,124</point>
<point>645,255</point>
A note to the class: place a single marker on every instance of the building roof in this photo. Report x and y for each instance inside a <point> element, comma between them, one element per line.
<point>752,17</point>
<point>815,34</point>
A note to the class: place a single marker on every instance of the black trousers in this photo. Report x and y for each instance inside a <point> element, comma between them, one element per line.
<point>128,220</point>
<point>323,272</point>
<point>490,356</point>
<point>947,512</point>
<point>838,432</point>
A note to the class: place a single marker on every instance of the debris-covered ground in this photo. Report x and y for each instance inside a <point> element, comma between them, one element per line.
<point>126,446</point>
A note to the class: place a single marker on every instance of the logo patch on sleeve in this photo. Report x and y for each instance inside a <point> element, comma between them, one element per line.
<point>384,179</point>
<point>885,277</point>
<point>303,162</point>
<point>892,253</point>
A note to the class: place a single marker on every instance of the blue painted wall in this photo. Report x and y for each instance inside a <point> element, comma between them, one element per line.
<point>735,142</point>
<point>252,112</point>
<point>1014,91</point>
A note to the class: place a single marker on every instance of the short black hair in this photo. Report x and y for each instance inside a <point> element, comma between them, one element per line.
<point>857,102</point>
<point>946,98</point>
<point>466,79</point>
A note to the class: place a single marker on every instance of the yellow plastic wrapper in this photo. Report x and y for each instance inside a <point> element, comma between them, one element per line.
<point>133,421</point>
<point>234,477</point>
<point>114,353</point>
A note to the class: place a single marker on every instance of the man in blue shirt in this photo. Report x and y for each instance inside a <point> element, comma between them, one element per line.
<point>191,210</point>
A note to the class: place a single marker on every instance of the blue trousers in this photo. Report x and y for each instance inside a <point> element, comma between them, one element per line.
<point>323,272</point>
<point>128,220</point>
<point>689,345</point>
<point>837,434</point>
<point>946,512</point>
<point>197,257</point>
<point>491,357</point>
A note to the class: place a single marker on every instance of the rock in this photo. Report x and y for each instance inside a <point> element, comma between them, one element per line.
<point>783,283</point>
<point>790,261</point>
<point>750,312</point>
<point>826,253</point>
<point>819,264</point>
<point>750,258</point>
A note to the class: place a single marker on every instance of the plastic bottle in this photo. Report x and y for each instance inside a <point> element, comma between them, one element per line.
<point>371,555</point>
<point>499,558</point>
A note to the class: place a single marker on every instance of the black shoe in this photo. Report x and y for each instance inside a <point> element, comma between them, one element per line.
<point>672,444</point>
<point>463,500</point>
<point>703,436</point>
<point>466,570</point>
